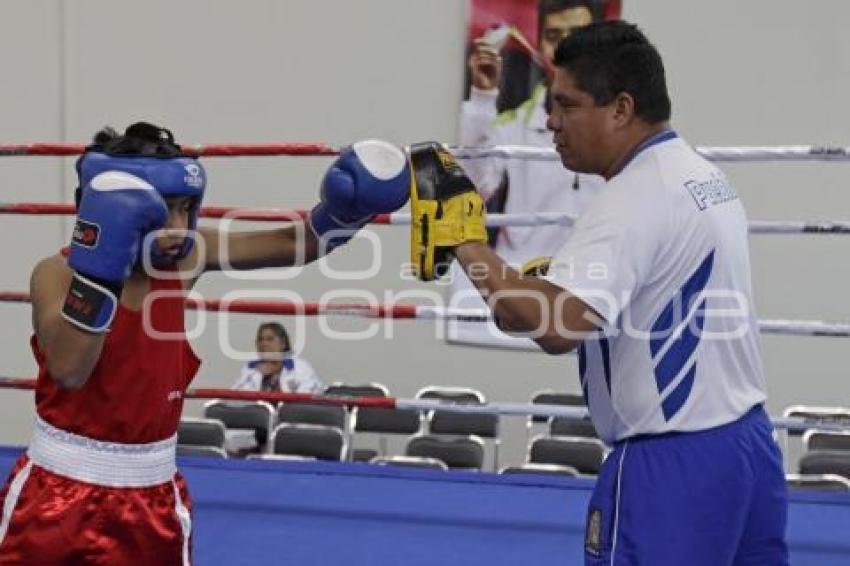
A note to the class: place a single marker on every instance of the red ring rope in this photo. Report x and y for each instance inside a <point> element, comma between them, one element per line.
<point>792,424</point>
<point>402,311</point>
<point>208,150</point>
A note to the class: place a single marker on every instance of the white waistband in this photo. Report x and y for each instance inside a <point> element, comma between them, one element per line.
<point>102,463</point>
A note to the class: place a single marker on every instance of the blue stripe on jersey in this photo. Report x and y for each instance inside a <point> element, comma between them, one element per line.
<point>674,359</point>
<point>582,369</point>
<point>582,361</point>
<point>682,348</point>
<point>679,306</point>
<point>671,405</point>
<point>604,351</point>
<point>606,361</point>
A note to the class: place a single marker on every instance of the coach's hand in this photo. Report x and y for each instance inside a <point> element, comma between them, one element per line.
<point>446,210</point>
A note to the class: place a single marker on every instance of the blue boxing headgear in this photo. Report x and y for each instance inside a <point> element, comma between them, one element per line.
<point>170,176</point>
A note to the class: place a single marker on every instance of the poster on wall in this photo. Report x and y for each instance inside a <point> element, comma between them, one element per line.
<point>510,47</point>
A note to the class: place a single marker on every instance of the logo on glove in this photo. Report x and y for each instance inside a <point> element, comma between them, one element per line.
<point>86,234</point>
<point>448,162</point>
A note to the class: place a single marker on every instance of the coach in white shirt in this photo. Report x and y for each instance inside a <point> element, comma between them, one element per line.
<point>276,368</point>
<point>653,288</point>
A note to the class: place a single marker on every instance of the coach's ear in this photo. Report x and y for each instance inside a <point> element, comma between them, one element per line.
<point>623,109</point>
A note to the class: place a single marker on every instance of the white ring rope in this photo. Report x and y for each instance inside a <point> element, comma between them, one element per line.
<point>498,220</point>
<point>786,327</point>
<point>407,311</point>
<point>732,154</point>
<point>805,328</point>
<point>579,413</point>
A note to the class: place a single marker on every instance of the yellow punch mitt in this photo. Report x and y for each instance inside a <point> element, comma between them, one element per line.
<point>446,210</point>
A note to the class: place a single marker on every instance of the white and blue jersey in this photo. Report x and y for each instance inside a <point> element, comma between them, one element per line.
<point>662,256</point>
<point>674,377</point>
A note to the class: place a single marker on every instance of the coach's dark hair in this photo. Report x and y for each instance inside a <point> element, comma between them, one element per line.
<point>608,58</point>
<point>142,139</point>
<point>279,330</point>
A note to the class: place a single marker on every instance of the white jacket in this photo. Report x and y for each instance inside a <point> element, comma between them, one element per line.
<point>297,376</point>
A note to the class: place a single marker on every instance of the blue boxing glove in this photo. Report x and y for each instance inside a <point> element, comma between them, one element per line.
<point>370,177</point>
<point>115,212</point>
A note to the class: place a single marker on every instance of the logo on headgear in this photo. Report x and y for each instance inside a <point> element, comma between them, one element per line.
<point>193,176</point>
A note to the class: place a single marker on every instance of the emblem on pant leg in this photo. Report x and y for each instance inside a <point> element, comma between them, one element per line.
<point>593,533</point>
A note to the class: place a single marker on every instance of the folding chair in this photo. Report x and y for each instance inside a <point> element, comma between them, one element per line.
<point>484,426</point>
<point>463,452</point>
<point>311,440</point>
<point>200,437</point>
<point>584,454</point>
<point>256,415</point>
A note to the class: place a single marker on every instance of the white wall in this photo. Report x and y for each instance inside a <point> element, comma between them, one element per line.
<point>757,72</point>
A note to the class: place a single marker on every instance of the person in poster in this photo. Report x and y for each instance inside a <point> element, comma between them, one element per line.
<point>508,80</point>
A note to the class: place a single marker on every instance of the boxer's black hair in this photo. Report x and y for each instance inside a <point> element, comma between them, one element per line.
<point>142,139</point>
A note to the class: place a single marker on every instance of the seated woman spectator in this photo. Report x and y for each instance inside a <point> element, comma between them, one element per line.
<point>277,368</point>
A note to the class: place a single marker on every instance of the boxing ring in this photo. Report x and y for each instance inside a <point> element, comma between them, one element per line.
<point>250,511</point>
<point>253,511</point>
<point>247,512</point>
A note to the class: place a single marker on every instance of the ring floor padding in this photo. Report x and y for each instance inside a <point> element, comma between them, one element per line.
<point>251,512</point>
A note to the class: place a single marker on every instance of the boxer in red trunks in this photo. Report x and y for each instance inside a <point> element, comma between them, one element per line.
<point>98,483</point>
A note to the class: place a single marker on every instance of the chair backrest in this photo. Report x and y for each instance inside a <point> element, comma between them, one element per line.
<point>564,426</point>
<point>196,450</point>
<point>465,452</point>
<point>452,394</point>
<point>826,462</point>
<point>385,421</point>
<point>540,469</point>
<point>357,390</point>
<point>447,422</point>
<point>816,415</point>
<point>549,397</point>
<point>309,413</point>
<point>200,432</point>
<point>584,454</point>
<point>317,441</point>
<point>376,419</point>
<point>256,415</point>
<point>410,462</point>
<point>823,440</point>
<point>828,482</point>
